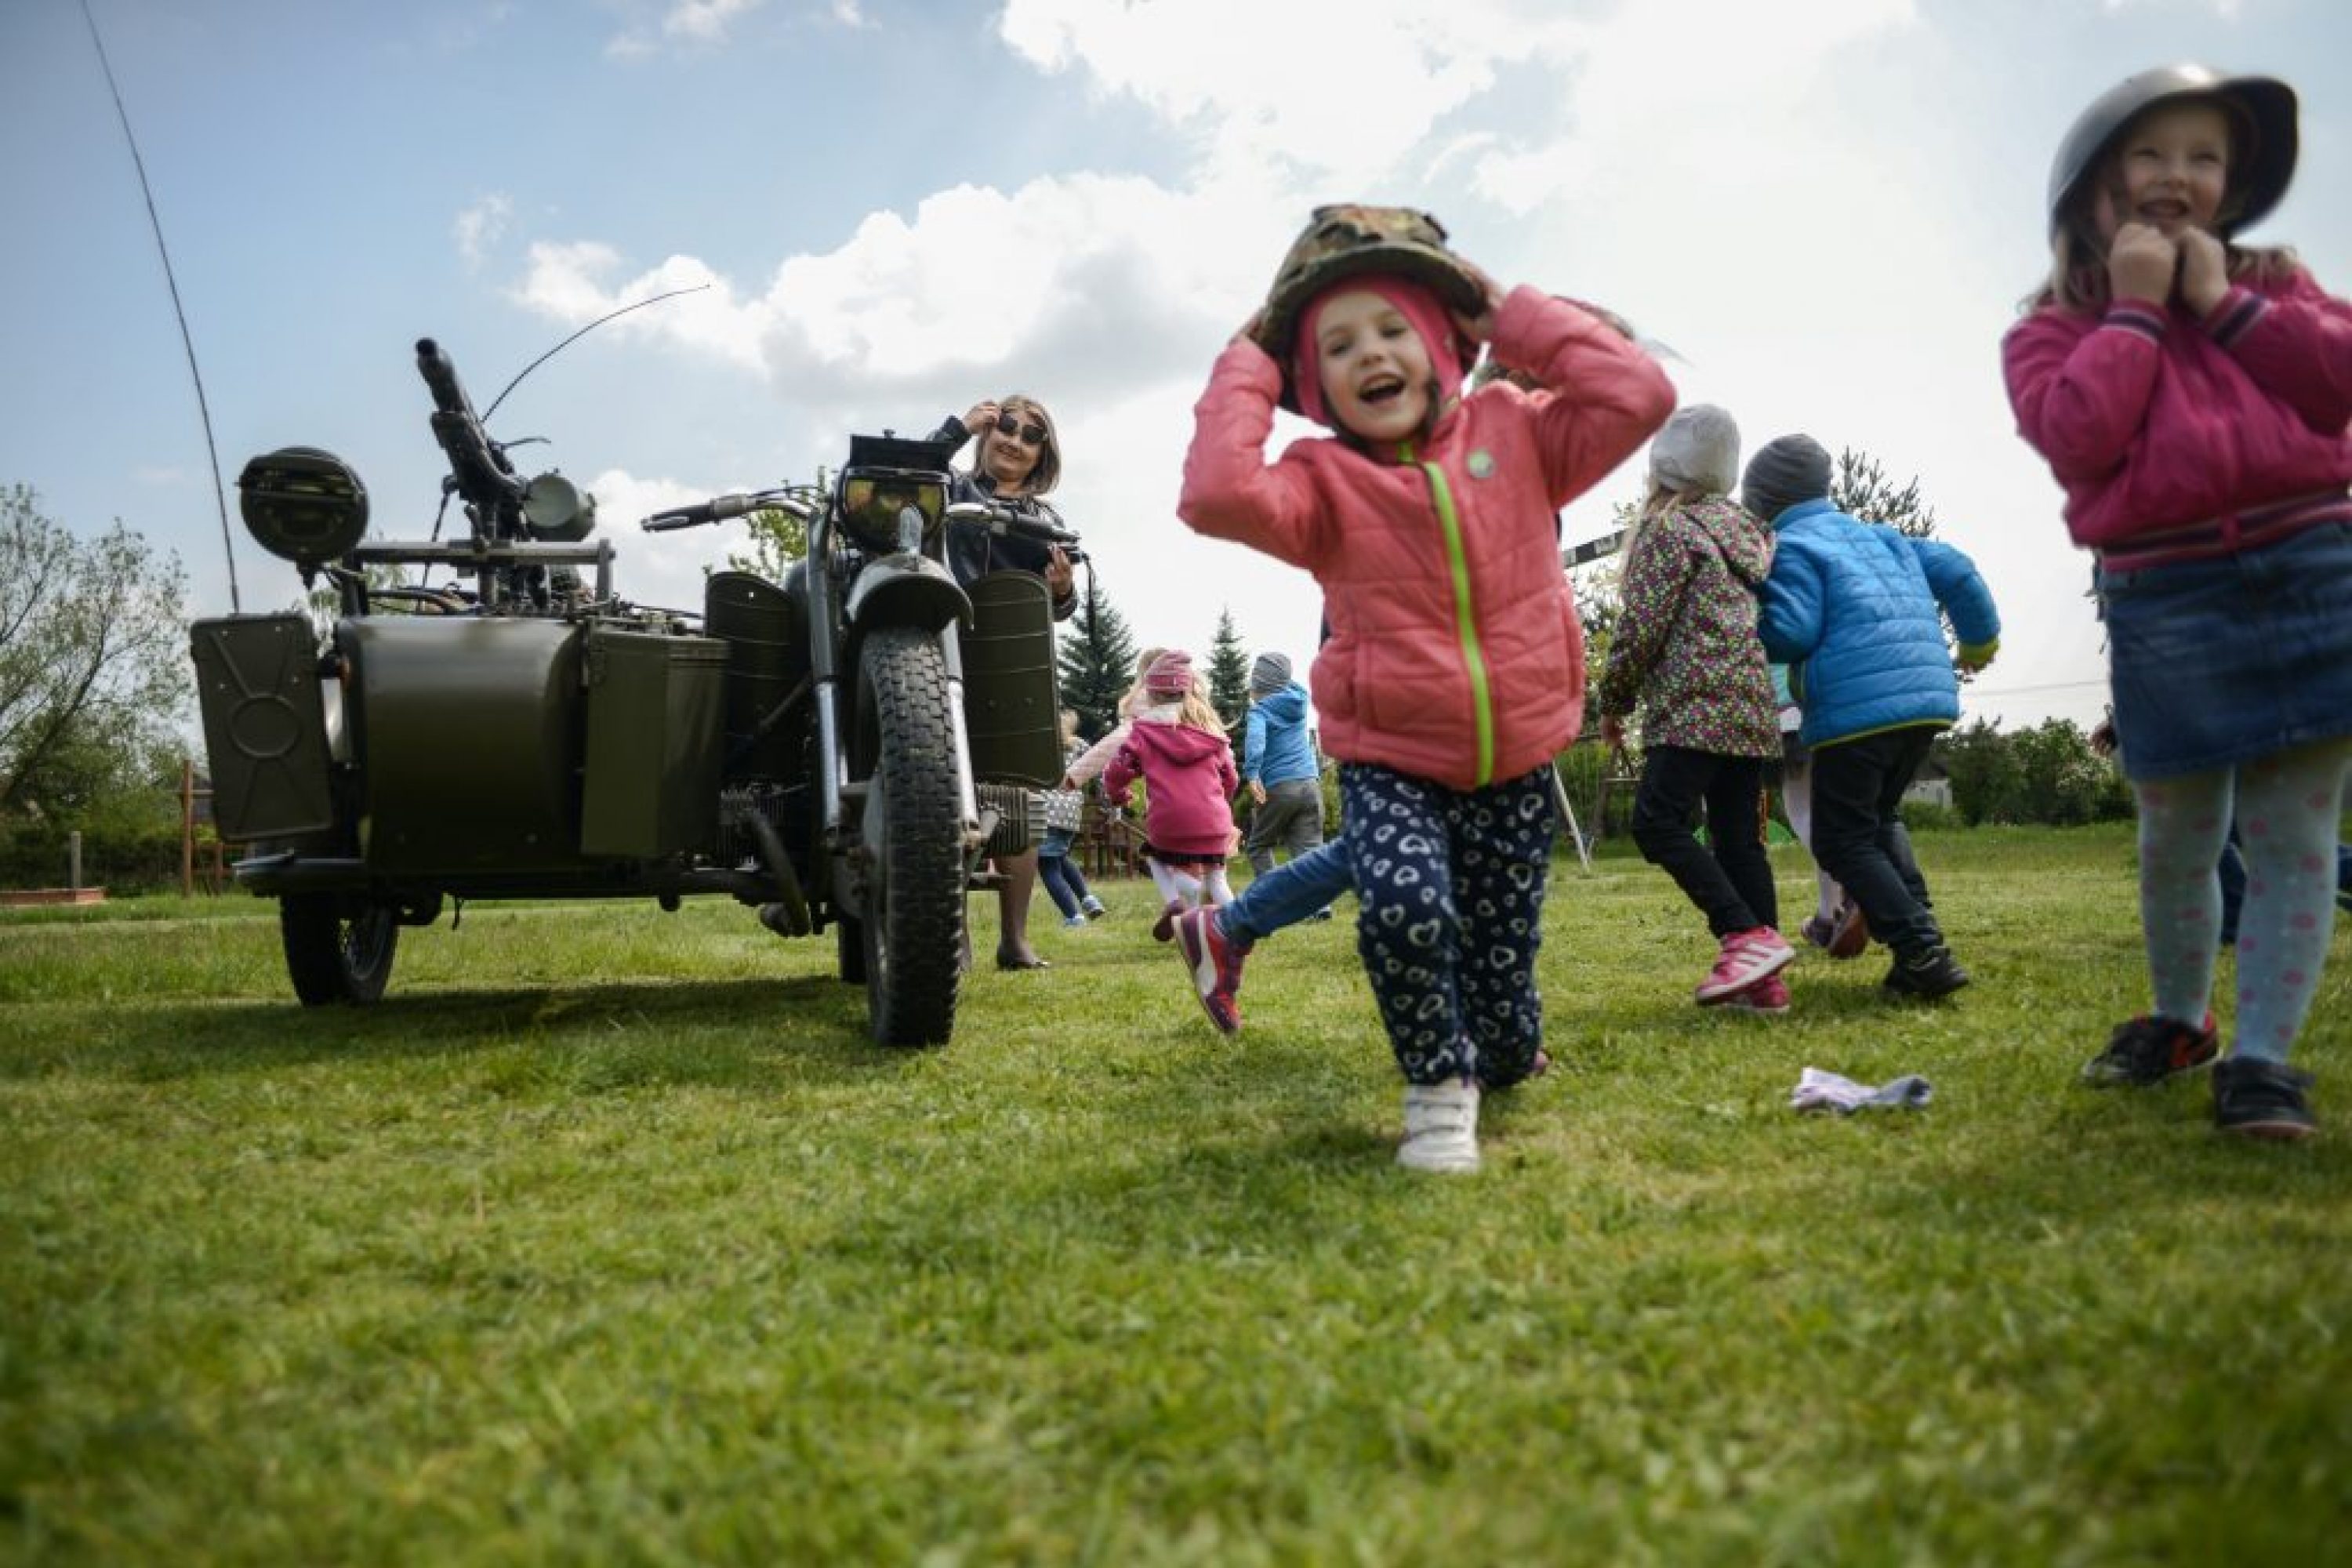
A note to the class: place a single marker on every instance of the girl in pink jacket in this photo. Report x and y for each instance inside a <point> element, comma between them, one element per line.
<point>1176,744</point>
<point>1454,667</point>
<point>2191,397</point>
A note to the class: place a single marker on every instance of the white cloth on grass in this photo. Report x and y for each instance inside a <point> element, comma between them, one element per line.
<point>1819,1091</point>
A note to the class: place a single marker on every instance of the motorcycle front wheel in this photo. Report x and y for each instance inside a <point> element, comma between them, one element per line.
<point>334,957</point>
<point>913,919</point>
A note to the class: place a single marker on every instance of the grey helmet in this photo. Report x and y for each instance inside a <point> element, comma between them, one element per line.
<point>2263,107</point>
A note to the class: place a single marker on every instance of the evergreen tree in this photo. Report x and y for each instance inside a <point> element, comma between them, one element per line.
<point>1861,489</point>
<point>1097,662</point>
<point>1229,667</point>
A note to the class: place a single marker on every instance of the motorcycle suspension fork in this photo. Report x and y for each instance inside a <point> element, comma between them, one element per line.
<point>966,796</point>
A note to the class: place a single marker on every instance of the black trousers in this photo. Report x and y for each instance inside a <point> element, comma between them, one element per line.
<point>1860,839</point>
<point>1728,877</point>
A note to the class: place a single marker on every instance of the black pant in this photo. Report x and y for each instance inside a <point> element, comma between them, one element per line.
<point>1728,877</point>
<point>1860,839</point>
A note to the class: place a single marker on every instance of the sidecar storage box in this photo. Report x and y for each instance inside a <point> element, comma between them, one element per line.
<point>766,629</point>
<point>265,726</point>
<point>467,731</point>
<point>1012,696</point>
<point>656,715</point>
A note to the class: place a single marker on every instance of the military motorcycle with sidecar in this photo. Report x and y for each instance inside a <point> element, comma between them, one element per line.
<point>840,753</point>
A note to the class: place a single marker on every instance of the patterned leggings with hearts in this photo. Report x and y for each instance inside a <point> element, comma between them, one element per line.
<point>1450,886</point>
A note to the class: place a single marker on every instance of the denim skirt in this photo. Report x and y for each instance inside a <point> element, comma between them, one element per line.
<point>2215,663</point>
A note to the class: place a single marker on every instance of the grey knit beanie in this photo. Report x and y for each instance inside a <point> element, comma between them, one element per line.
<point>1698,450</point>
<point>1783,472</point>
<point>1269,673</point>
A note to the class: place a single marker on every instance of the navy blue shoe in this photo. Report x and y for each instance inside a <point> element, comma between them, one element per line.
<point>2258,1098</point>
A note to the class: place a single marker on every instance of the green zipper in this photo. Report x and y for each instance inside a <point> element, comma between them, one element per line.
<point>1481,697</point>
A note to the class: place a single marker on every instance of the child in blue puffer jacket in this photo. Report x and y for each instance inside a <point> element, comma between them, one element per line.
<point>1856,610</point>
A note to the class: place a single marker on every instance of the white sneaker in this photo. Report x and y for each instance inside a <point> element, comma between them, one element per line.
<point>1441,1127</point>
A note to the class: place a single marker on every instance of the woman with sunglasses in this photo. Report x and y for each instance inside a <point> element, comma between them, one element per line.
<point>1018,459</point>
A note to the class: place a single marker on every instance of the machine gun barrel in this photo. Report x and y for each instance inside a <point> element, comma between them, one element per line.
<point>478,467</point>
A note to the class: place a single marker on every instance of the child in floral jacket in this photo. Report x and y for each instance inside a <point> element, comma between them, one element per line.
<point>1686,649</point>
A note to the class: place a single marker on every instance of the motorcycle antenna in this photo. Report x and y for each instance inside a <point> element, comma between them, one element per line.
<point>220,496</point>
<point>650,299</point>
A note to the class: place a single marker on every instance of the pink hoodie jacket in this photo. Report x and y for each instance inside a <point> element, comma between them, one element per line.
<point>1455,653</point>
<point>2176,437</point>
<point>1189,776</point>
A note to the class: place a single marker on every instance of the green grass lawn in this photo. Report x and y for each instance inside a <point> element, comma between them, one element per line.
<point>608,1237</point>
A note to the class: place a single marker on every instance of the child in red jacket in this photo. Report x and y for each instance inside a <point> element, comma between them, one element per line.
<point>2191,397</point>
<point>1177,746</point>
<point>1454,667</point>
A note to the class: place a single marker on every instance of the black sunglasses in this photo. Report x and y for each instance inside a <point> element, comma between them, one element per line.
<point>1031,434</point>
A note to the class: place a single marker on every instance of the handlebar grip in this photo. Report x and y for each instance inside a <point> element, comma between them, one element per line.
<point>716,510</point>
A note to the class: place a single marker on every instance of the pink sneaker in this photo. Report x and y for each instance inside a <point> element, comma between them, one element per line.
<point>1165,926</point>
<point>1769,995</point>
<point>1216,966</point>
<point>1748,956</point>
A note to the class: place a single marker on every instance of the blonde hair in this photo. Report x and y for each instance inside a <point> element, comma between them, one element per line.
<point>1048,473</point>
<point>1661,499</point>
<point>1197,712</point>
<point>1136,697</point>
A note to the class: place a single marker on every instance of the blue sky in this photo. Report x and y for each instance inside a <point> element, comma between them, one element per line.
<point>1828,209</point>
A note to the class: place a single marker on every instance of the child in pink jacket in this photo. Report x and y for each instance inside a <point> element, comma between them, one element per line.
<point>2192,394</point>
<point>1454,667</point>
<point>1176,745</point>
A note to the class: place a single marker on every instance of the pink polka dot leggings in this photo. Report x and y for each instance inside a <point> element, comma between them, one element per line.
<point>2288,806</point>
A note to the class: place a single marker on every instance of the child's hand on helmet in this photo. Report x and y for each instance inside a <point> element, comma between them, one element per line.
<point>2204,271</point>
<point>1480,328</point>
<point>1249,329</point>
<point>2141,262</point>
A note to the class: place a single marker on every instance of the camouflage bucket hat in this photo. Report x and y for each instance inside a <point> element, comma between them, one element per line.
<point>1344,240</point>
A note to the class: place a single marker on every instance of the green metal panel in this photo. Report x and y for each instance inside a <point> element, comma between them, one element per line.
<point>656,710</point>
<point>1012,694</point>
<point>467,730</point>
<point>766,633</point>
<point>265,726</point>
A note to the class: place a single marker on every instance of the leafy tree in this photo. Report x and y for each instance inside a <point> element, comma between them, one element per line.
<point>94,669</point>
<point>1097,661</point>
<point>1860,487</point>
<point>1229,667</point>
<point>777,539</point>
<point>2062,780</point>
<point>1988,784</point>
<point>1597,585</point>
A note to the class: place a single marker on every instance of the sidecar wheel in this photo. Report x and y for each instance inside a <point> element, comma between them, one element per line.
<point>914,916</point>
<point>331,958</point>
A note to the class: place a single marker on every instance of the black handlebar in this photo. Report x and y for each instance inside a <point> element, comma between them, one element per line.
<point>716,510</point>
<point>1004,523</point>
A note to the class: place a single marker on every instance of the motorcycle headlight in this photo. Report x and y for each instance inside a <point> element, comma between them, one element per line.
<point>881,511</point>
<point>302,504</point>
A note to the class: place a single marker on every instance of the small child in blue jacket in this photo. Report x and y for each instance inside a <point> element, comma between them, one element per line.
<point>1856,611</point>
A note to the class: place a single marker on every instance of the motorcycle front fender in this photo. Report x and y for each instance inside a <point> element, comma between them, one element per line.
<point>904,591</point>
